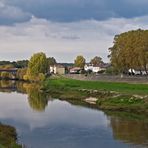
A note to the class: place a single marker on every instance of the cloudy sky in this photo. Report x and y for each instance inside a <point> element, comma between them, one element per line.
<point>66,28</point>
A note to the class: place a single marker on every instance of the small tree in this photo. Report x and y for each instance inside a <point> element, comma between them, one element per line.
<point>51,61</point>
<point>80,61</point>
<point>96,61</point>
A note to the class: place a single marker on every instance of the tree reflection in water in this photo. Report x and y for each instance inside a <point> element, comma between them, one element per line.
<point>7,86</point>
<point>37,99</point>
<point>130,131</point>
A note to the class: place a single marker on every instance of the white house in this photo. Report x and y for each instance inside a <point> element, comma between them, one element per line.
<point>94,69</point>
<point>88,67</point>
<point>75,70</point>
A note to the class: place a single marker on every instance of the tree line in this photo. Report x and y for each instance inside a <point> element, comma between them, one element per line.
<point>37,68</point>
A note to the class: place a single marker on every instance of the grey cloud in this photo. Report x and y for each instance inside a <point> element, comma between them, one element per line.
<point>11,14</point>
<point>75,10</point>
<point>70,37</point>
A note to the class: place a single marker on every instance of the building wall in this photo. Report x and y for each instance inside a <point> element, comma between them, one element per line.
<point>60,71</point>
<point>57,70</point>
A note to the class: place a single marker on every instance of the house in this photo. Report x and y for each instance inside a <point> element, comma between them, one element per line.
<point>95,69</point>
<point>57,69</point>
<point>75,70</point>
<point>88,67</point>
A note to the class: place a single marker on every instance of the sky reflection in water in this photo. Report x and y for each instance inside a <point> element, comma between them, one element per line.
<point>63,125</point>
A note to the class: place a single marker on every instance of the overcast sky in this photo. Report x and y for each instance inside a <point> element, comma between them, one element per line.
<point>66,28</point>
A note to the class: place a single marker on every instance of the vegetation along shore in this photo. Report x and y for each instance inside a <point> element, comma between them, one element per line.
<point>8,137</point>
<point>103,95</point>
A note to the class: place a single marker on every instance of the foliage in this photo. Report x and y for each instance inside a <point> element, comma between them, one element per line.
<point>4,63</point>
<point>20,73</point>
<point>21,64</point>
<point>38,64</point>
<point>96,61</point>
<point>34,78</point>
<point>51,61</point>
<point>112,70</point>
<point>80,61</point>
<point>130,50</point>
<point>124,100</point>
<point>16,64</point>
<point>37,67</point>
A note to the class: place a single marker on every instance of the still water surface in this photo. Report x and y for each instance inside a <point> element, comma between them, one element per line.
<point>52,123</point>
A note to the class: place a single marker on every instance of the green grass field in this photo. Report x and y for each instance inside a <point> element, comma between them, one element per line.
<point>126,88</point>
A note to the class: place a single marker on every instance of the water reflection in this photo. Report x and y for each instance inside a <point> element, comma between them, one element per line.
<point>7,86</point>
<point>130,131</point>
<point>37,99</point>
<point>44,122</point>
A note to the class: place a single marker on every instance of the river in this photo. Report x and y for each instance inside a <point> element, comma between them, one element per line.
<point>45,122</point>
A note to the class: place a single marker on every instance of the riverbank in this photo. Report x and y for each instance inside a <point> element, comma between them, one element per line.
<point>103,95</point>
<point>8,137</point>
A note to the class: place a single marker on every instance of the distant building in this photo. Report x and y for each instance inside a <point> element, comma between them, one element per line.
<point>57,69</point>
<point>75,70</point>
<point>97,68</point>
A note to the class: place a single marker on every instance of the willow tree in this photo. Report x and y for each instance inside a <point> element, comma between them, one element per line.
<point>130,50</point>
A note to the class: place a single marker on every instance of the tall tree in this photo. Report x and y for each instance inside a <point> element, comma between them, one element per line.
<point>38,64</point>
<point>96,61</point>
<point>130,50</point>
<point>37,67</point>
<point>80,61</point>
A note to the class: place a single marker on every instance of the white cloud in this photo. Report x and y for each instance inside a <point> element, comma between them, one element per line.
<point>64,41</point>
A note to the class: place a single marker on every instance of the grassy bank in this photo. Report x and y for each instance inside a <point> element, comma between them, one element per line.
<point>111,96</point>
<point>8,137</point>
<point>97,85</point>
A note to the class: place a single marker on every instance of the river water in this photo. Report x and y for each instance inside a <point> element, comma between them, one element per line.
<point>44,122</point>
